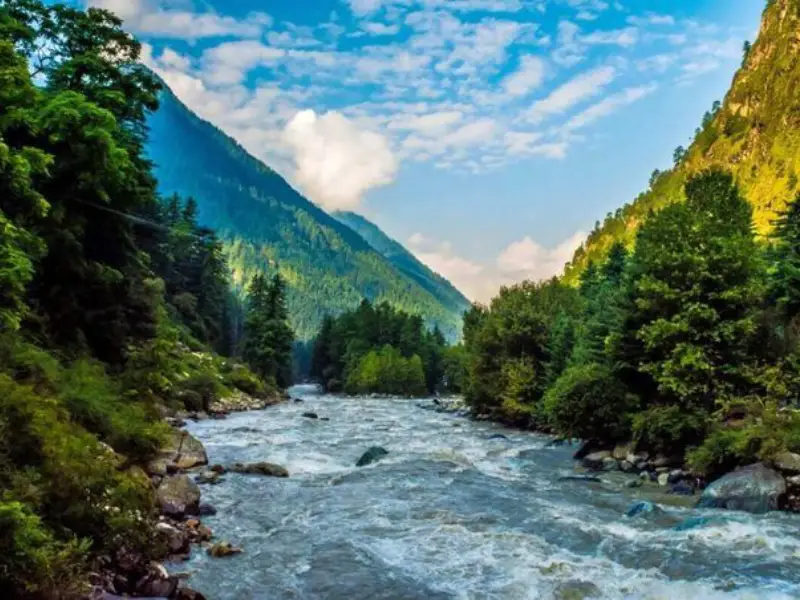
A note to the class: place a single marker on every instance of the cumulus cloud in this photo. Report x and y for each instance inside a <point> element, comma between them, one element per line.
<point>522,260</point>
<point>151,17</point>
<point>528,259</point>
<point>336,161</point>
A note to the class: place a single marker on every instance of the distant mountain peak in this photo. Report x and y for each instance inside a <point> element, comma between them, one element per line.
<point>330,262</point>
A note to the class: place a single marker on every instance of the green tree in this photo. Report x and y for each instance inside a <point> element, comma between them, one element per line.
<point>695,289</point>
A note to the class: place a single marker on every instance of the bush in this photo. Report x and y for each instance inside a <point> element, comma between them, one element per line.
<point>669,429</point>
<point>243,379</point>
<point>588,402</point>
<point>32,561</point>
<point>68,480</point>
<point>758,437</point>
<point>95,402</point>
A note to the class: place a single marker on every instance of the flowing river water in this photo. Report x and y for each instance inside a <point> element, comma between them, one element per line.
<point>453,513</point>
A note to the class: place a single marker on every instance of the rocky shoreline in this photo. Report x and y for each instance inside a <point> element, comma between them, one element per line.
<point>756,488</point>
<point>176,475</point>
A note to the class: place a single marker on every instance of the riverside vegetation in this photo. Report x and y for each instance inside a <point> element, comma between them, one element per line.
<point>114,310</point>
<point>676,325</point>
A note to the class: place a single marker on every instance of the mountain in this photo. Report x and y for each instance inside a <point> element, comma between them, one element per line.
<point>754,133</point>
<point>408,264</point>
<point>266,225</point>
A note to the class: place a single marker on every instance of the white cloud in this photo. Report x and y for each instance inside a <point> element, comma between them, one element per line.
<point>378,29</point>
<point>527,78</point>
<point>150,18</point>
<point>431,123</point>
<point>528,259</point>
<point>619,37</point>
<point>582,87</point>
<point>522,260</point>
<point>651,19</point>
<point>608,105</point>
<point>336,161</point>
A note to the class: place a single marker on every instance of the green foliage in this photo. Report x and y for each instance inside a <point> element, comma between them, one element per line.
<point>267,335</point>
<point>35,563</point>
<point>517,346</point>
<point>761,436</point>
<point>354,349</point>
<point>689,343</point>
<point>589,402</point>
<point>386,371</point>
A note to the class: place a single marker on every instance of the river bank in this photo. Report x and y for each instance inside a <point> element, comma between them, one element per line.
<point>459,508</point>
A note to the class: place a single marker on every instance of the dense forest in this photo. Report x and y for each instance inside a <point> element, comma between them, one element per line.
<point>379,349</point>
<point>753,134</point>
<point>111,299</point>
<point>687,344</point>
<point>267,226</point>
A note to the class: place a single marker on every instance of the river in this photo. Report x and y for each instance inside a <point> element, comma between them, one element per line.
<point>451,513</point>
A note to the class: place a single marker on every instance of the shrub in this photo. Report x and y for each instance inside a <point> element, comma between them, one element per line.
<point>760,436</point>
<point>32,561</point>
<point>669,429</point>
<point>243,379</point>
<point>588,402</point>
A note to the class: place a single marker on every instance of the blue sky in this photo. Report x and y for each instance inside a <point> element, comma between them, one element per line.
<point>486,135</point>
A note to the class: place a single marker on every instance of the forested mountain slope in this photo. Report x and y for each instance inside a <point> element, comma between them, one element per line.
<point>754,133</point>
<point>266,224</point>
<point>406,263</point>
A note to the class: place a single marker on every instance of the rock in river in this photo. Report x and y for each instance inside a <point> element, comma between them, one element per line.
<point>756,489</point>
<point>177,541</point>
<point>642,508</point>
<point>222,549</point>
<point>311,415</point>
<point>260,468</point>
<point>178,496</point>
<point>372,455</point>
<point>599,461</point>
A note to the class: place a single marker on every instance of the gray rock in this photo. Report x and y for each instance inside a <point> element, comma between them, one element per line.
<point>372,455</point>
<point>663,479</point>
<point>642,465</point>
<point>596,460</point>
<point>611,464</point>
<point>497,436</point>
<point>260,468</point>
<point>677,475</point>
<point>311,415</point>
<point>182,451</point>
<point>223,549</point>
<point>177,541</point>
<point>577,590</point>
<point>178,496</point>
<point>682,488</point>
<point>208,478</point>
<point>622,451</point>
<point>627,467</point>
<point>157,583</point>
<point>634,483</point>
<point>788,462</point>
<point>663,461</point>
<point>642,508</point>
<point>755,488</point>
<point>206,510</point>
<point>793,481</point>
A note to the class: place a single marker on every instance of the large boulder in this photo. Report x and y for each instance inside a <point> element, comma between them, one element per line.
<point>372,455</point>
<point>178,496</point>
<point>260,468</point>
<point>642,508</point>
<point>182,451</point>
<point>755,488</point>
<point>622,451</point>
<point>788,463</point>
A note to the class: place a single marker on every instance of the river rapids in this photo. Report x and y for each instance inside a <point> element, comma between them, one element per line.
<point>453,513</point>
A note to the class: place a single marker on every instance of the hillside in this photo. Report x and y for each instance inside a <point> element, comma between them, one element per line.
<point>755,133</point>
<point>408,264</point>
<point>266,224</point>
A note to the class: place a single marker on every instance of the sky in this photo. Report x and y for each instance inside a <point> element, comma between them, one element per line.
<point>488,136</point>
